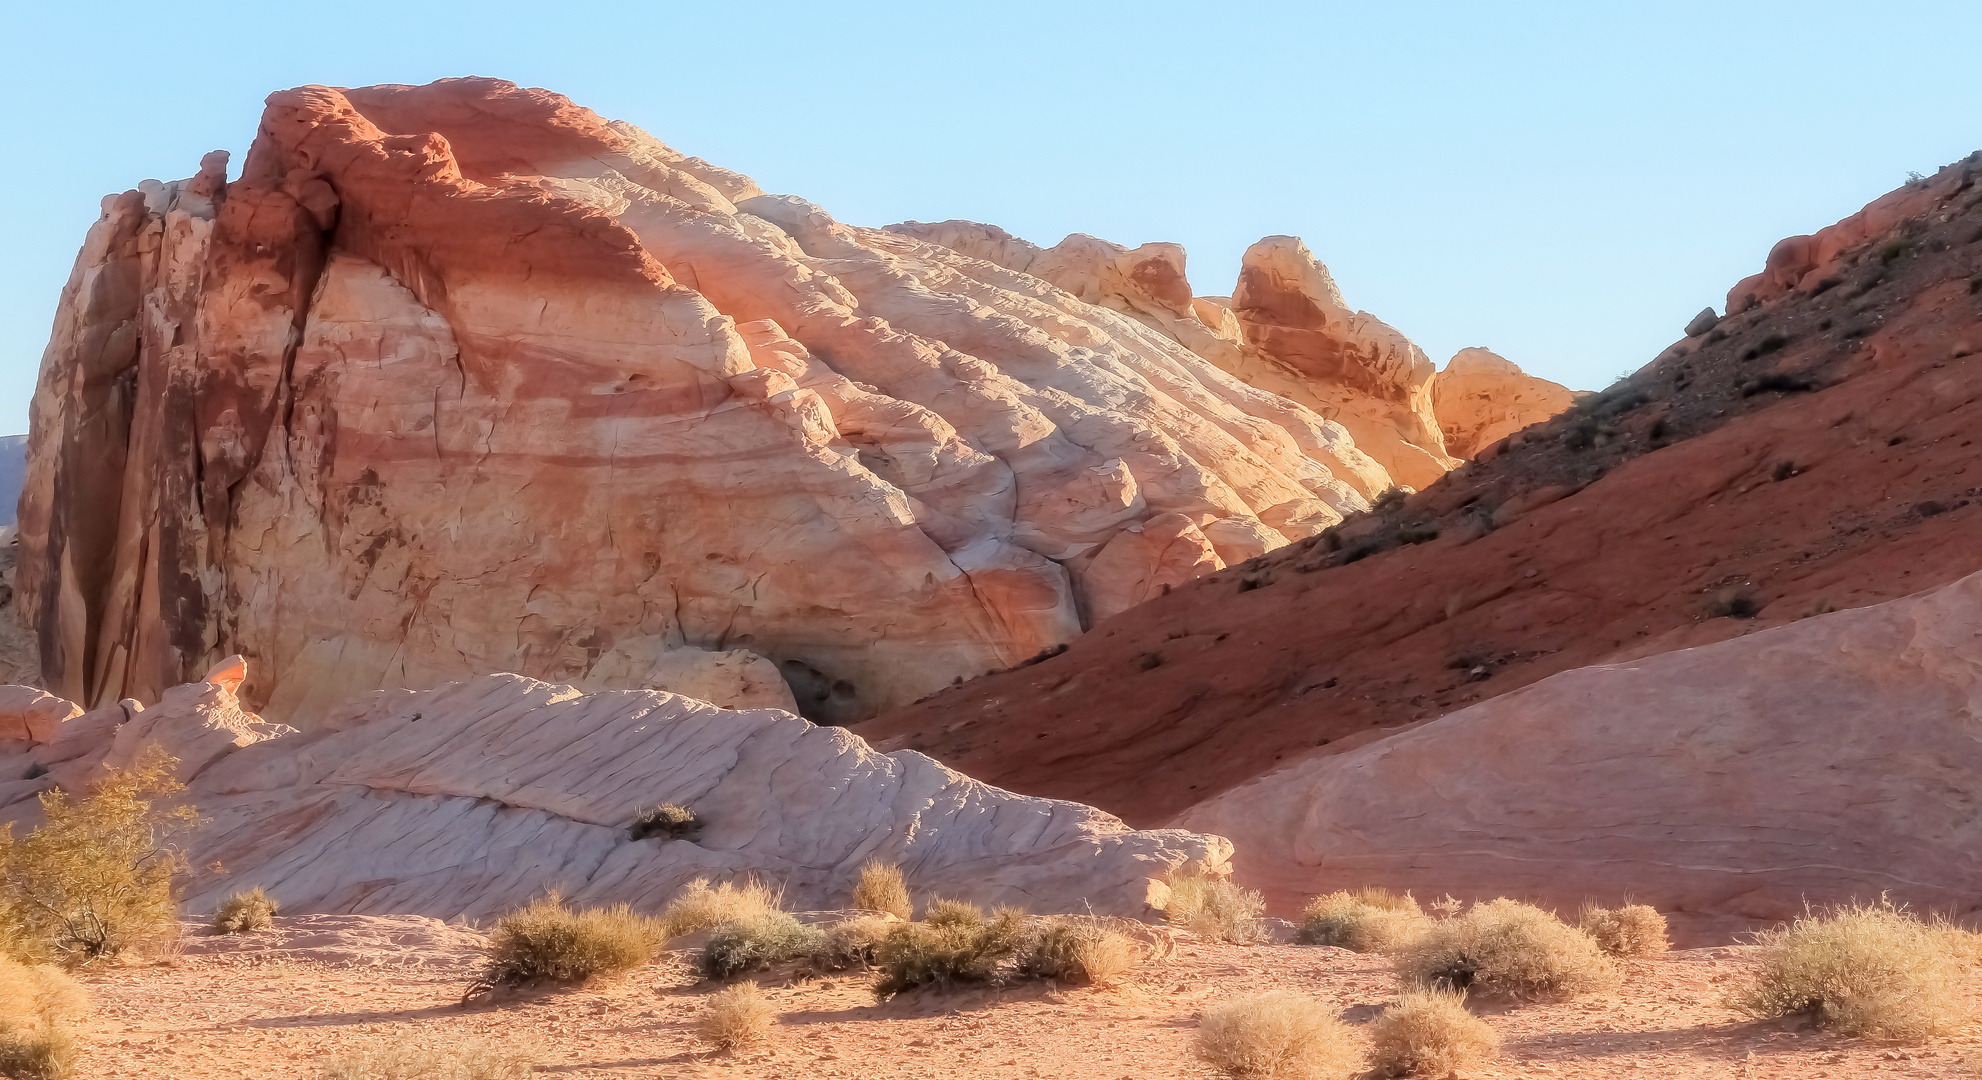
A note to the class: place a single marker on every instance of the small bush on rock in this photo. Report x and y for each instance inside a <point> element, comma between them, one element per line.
<point>1277,1035</point>
<point>1505,948</point>
<point>882,888</point>
<point>96,877</point>
<point>1079,950</point>
<point>763,939</point>
<point>1214,907</point>
<point>1429,1033</point>
<point>955,943</point>
<point>1631,930</point>
<point>736,1018</point>
<point>699,907</point>
<point>245,912</point>
<point>468,1061</point>
<point>668,820</point>
<point>549,942</point>
<point>1862,969</point>
<point>1365,920</point>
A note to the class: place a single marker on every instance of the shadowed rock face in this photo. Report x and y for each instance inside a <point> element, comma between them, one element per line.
<point>476,798</point>
<point>463,378</point>
<point>1832,759</point>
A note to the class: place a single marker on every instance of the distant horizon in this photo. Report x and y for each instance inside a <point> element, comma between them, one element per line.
<point>1561,185</point>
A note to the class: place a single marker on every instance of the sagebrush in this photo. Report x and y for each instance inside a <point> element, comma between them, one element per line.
<point>95,878</point>
<point>37,1003</point>
<point>1363,920</point>
<point>1214,907</point>
<point>669,820</point>
<point>548,942</point>
<point>853,941</point>
<point>1081,950</point>
<point>1277,1035</point>
<point>1631,930</point>
<point>245,912</point>
<point>1862,969</point>
<point>955,943</point>
<point>464,1061</point>
<point>736,1018</point>
<point>1429,1033</point>
<point>1504,948</point>
<point>883,888</point>
<point>758,941</point>
<point>702,907</point>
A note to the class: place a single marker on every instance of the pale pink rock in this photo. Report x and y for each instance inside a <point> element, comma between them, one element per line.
<point>33,715</point>
<point>1146,560</point>
<point>1833,758</point>
<point>1481,397</point>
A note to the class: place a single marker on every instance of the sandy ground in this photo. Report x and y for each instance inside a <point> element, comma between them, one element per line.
<point>275,1005</point>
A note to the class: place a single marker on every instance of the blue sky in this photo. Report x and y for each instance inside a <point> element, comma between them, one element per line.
<point>1564,183</point>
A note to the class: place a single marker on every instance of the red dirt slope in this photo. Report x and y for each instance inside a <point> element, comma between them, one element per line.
<point>1808,454</point>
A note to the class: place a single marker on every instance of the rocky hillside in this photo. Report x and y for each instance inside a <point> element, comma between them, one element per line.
<point>464,378</point>
<point>1807,453</point>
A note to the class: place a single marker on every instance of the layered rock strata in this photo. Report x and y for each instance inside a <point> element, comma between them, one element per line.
<point>475,798</point>
<point>462,378</point>
<point>1832,759</point>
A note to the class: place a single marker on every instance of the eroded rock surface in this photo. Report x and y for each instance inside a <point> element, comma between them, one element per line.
<point>472,799</point>
<point>463,378</point>
<point>1481,397</point>
<point>1832,759</point>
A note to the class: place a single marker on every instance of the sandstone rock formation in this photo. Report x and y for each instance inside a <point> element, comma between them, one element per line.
<point>463,378</point>
<point>1810,454</point>
<point>1835,758</point>
<point>1481,397</point>
<point>468,800</point>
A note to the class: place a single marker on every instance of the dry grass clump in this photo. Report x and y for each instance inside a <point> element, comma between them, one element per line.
<point>882,888</point>
<point>700,907</point>
<point>1429,1033</point>
<point>468,1061</point>
<point>549,942</point>
<point>955,943</point>
<point>1277,1035</point>
<point>1505,948</point>
<point>852,942</point>
<point>245,912</point>
<point>1214,907</point>
<point>1365,920</point>
<point>1862,969</point>
<point>1631,930</point>
<point>95,878</point>
<point>736,1018</point>
<point>762,939</point>
<point>668,820</point>
<point>36,1004</point>
<point>1075,949</point>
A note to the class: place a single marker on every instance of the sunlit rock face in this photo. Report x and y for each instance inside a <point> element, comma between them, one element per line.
<point>1482,397</point>
<point>463,378</point>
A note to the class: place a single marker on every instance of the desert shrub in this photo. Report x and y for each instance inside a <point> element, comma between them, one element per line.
<point>736,1018</point>
<point>1277,1035</point>
<point>1365,920</point>
<point>1214,907</point>
<point>1861,969</point>
<point>1505,948</point>
<point>96,877</point>
<point>852,942</point>
<point>245,911</point>
<point>955,943</point>
<point>36,1004</point>
<point>700,907</point>
<point>764,938</point>
<point>669,820</point>
<point>1079,950</point>
<point>1429,1033</point>
<point>1631,930</point>
<point>882,888</point>
<point>467,1061</point>
<point>549,942</point>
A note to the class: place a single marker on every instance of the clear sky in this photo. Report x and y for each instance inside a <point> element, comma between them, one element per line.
<point>1566,183</point>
